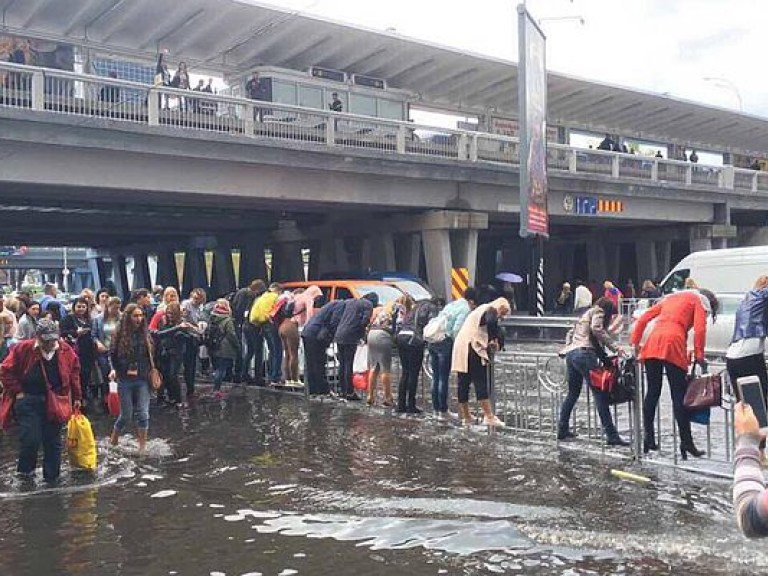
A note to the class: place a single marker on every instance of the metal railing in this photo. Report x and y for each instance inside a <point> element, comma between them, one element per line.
<point>43,89</point>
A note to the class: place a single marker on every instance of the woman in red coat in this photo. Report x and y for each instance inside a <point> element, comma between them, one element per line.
<point>666,351</point>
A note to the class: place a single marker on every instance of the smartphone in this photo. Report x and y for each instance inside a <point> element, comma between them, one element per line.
<point>752,394</point>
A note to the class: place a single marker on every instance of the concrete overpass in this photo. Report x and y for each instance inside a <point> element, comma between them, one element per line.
<point>134,182</point>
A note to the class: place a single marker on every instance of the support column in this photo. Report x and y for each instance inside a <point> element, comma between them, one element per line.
<point>663,257</point>
<point>223,277</point>
<point>647,262</point>
<point>97,268</point>
<point>409,255</point>
<point>437,250</point>
<point>194,271</point>
<point>596,261</point>
<point>287,262</point>
<point>141,277</point>
<point>464,251</point>
<point>378,252</point>
<point>252,263</point>
<point>120,276</point>
<point>612,256</point>
<point>167,275</point>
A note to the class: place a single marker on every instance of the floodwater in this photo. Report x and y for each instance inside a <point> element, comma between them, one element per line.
<point>264,483</point>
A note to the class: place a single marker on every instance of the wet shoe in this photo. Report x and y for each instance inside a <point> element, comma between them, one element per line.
<point>616,441</point>
<point>413,410</point>
<point>493,421</point>
<point>353,397</point>
<point>400,410</point>
<point>388,403</point>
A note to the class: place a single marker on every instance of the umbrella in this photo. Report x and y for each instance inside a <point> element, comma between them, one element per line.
<point>509,277</point>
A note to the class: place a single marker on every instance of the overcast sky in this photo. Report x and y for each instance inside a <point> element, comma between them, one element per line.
<point>656,45</point>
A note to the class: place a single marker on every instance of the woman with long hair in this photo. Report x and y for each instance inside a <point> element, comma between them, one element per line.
<point>104,328</point>
<point>130,355</point>
<point>381,334</point>
<point>583,348</point>
<point>168,328</point>
<point>77,331</point>
<point>28,322</point>
<point>666,351</point>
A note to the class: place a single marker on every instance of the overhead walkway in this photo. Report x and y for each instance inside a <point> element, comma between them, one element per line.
<point>72,94</point>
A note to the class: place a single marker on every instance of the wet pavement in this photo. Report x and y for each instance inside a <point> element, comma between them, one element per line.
<point>263,483</point>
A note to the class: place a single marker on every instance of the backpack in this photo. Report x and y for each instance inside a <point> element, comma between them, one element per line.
<point>213,336</point>
<point>282,310</point>
<point>436,329</point>
<point>412,331</point>
<point>626,382</point>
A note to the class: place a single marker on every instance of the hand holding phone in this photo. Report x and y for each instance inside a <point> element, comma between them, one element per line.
<point>751,393</point>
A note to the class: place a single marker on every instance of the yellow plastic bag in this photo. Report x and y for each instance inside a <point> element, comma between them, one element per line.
<point>81,444</point>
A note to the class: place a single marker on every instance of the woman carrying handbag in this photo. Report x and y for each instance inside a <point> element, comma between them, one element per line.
<point>133,367</point>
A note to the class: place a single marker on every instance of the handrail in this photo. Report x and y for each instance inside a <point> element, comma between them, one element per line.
<point>30,88</point>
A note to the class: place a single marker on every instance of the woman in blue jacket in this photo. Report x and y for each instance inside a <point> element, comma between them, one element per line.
<point>746,354</point>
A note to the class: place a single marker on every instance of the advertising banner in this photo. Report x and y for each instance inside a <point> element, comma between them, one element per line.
<point>532,94</point>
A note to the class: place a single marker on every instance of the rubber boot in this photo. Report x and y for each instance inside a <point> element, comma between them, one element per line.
<point>490,418</point>
<point>142,436</point>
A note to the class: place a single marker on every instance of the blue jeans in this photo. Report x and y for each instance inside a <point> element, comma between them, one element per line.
<point>134,397</point>
<point>440,359</point>
<point>578,363</point>
<point>275,346</point>
<point>223,365</point>
<point>35,429</point>
<point>253,352</point>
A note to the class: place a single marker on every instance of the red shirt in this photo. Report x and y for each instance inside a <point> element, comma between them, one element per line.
<point>17,364</point>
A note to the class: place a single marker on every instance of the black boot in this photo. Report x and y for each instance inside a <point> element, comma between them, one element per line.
<point>612,438</point>
<point>649,443</point>
<point>564,432</point>
<point>690,448</point>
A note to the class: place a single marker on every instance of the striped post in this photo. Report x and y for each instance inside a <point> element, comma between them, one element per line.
<point>540,281</point>
<point>459,282</point>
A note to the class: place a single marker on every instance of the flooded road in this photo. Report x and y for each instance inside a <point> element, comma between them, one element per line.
<point>263,484</point>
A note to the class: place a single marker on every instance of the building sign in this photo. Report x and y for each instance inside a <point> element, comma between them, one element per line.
<point>532,98</point>
<point>591,205</point>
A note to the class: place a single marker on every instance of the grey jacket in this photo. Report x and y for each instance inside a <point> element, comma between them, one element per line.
<point>591,323</point>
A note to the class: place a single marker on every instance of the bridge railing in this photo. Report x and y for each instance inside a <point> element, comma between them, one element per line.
<point>43,89</point>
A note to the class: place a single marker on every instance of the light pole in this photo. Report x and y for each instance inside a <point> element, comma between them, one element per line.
<point>727,85</point>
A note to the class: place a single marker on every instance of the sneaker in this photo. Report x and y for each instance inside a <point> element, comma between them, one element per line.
<point>493,421</point>
<point>440,417</point>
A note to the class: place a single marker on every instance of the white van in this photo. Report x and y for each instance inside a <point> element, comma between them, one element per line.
<point>726,271</point>
<point>729,273</point>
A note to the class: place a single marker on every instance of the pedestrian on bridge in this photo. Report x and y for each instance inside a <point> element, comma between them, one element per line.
<point>584,350</point>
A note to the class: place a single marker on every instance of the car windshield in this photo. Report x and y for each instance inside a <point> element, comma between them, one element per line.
<point>413,289</point>
<point>675,282</point>
<point>385,292</point>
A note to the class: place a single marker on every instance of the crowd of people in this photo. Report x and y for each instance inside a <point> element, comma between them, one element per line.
<point>578,300</point>
<point>50,351</point>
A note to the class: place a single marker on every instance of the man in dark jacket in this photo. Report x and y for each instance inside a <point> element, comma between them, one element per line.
<point>351,330</point>
<point>247,334</point>
<point>317,335</point>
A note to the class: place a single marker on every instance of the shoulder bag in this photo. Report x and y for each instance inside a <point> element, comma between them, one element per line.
<point>155,377</point>
<point>703,391</point>
<point>58,407</point>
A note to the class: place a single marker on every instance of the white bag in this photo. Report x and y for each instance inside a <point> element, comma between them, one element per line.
<point>360,363</point>
<point>436,330</point>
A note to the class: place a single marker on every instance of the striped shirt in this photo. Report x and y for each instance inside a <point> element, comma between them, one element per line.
<point>750,497</point>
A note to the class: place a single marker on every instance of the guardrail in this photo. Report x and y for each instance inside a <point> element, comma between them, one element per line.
<point>43,89</point>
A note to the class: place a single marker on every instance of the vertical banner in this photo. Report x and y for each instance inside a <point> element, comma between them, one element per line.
<point>532,99</point>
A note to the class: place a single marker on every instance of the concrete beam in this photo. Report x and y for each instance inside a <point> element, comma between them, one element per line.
<point>437,250</point>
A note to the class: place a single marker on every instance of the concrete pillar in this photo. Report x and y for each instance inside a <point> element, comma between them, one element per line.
<point>408,257</point>
<point>378,252</point>
<point>437,250</point>
<point>252,263</point>
<point>342,255</point>
<point>596,261</point>
<point>287,262</point>
<point>663,257</point>
<point>97,267</point>
<point>647,262</point>
<point>464,251</point>
<point>223,277</point>
<point>332,256</point>
<point>141,277</point>
<point>700,244</point>
<point>167,275</point>
<point>612,255</point>
<point>120,276</point>
<point>194,271</point>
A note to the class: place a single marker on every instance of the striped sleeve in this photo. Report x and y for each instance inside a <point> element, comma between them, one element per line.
<point>750,497</point>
